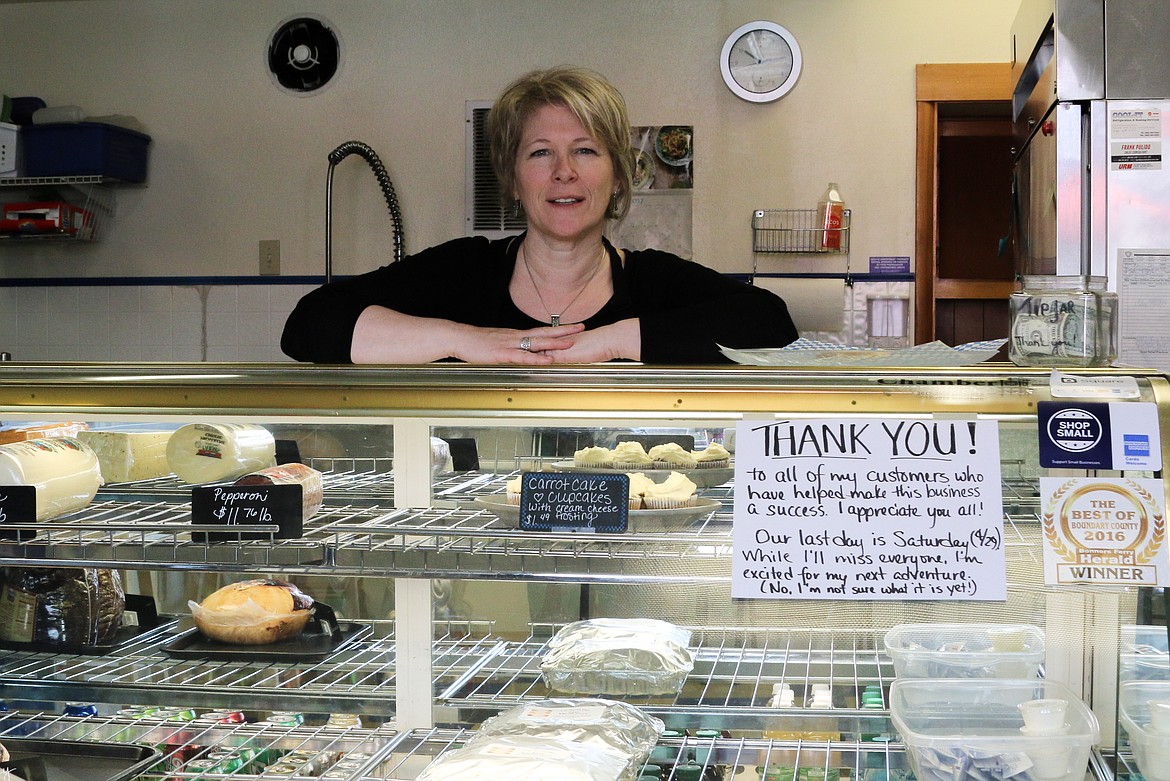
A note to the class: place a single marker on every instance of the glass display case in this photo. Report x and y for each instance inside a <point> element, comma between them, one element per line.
<point>445,607</point>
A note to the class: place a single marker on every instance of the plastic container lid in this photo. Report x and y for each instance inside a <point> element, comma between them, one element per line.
<point>944,723</point>
<point>965,650</point>
<point>1144,652</point>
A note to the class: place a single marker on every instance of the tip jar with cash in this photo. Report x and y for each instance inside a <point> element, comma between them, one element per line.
<point>1063,321</point>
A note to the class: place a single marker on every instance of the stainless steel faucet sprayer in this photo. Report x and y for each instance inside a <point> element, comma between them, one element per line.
<point>336,156</point>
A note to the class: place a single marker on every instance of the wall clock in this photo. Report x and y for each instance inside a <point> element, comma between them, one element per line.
<point>760,62</point>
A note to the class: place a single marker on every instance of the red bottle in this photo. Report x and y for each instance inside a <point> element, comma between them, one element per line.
<point>830,213</point>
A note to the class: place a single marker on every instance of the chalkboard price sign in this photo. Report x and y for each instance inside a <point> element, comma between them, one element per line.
<point>579,502</point>
<point>18,504</point>
<point>239,506</point>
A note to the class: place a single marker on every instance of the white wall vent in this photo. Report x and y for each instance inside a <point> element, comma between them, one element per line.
<point>484,213</point>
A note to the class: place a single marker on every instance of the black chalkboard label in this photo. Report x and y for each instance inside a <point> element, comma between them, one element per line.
<point>18,504</point>
<point>575,501</point>
<point>240,506</point>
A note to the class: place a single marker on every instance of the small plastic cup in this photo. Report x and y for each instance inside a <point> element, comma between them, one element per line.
<point>1043,717</point>
<point>1008,640</point>
<point>1159,715</point>
<point>1049,762</point>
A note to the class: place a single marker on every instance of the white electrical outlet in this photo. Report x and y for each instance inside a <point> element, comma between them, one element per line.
<point>270,257</point>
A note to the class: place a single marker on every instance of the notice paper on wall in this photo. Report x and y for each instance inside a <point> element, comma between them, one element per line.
<point>868,509</point>
<point>1143,294</point>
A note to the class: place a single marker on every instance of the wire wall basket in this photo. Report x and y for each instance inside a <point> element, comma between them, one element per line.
<point>797,230</point>
<point>54,209</point>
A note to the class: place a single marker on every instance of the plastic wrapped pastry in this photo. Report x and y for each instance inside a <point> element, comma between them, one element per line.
<point>527,758</point>
<point>632,656</point>
<point>605,724</point>
<point>253,612</point>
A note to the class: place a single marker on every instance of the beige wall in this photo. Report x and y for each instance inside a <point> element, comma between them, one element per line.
<point>236,160</point>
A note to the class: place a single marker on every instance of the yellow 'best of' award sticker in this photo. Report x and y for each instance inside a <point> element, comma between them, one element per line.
<point>1104,531</point>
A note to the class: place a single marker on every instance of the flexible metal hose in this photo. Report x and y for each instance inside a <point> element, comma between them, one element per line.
<point>371,157</point>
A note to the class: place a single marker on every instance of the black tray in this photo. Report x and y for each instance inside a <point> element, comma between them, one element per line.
<point>142,606</point>
<point>322,636</point>
<point>73,760</point>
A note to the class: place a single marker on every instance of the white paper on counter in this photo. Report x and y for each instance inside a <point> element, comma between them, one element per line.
<point>808,352</point>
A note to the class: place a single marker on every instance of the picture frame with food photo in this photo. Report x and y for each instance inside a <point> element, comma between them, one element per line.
<point>663,157</point>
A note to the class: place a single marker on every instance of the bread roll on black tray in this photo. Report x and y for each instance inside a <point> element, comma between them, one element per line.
<point>253,612</point>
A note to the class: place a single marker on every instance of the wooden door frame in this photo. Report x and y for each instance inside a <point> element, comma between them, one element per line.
<point>936,84</point>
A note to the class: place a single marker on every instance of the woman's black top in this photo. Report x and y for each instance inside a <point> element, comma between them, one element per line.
<point>685,309</point>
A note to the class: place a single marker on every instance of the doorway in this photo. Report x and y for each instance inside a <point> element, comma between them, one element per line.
<point>964,271</point>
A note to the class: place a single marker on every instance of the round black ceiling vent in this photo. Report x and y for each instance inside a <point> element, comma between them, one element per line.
<point>304,53</point>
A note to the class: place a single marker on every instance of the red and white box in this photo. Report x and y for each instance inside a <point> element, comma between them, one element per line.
<point>46,217</point>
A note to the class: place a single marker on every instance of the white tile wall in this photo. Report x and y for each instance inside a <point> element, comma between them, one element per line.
<point>149,323</point>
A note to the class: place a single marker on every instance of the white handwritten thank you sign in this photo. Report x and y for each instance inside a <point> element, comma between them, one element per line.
<point>868,509</point>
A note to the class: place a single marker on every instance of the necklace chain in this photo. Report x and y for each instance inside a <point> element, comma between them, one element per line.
<point>555,318</point>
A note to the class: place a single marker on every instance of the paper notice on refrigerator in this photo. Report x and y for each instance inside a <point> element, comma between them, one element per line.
<point>1135,139</point>
<point>1143,292</point>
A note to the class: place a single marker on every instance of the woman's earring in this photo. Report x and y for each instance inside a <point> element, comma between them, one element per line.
<point>613,206</point>
<point>516,208</point>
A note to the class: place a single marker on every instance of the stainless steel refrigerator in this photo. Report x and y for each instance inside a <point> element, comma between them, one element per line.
<point>1092,186</point>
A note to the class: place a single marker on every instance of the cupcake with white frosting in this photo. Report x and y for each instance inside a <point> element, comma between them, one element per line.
<point>593,458</point>
<point>671,456</point>
<point>675,491</point>
<point>631,455</point>
<point>512,489</point>
<point>714,456</point>
<point>638,485</point>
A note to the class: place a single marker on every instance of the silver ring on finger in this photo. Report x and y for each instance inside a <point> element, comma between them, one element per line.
<point>526,343</point>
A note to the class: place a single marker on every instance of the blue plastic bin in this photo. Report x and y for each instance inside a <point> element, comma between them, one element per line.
<point>85,149</point>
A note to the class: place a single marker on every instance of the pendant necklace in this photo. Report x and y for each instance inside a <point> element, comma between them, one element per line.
<point>555,318</point>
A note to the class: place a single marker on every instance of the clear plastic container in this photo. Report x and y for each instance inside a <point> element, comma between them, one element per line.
<point>1063,321</point>
<point>1139,703</point>
<point>966,650</point>
<point>977,724</point>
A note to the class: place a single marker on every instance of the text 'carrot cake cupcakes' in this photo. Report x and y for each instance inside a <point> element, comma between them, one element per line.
<point>671,456</point>
<point>631,455</point>
<point>638,483</point>
<point>593,457</point>
<point>715,456</point>
<point>675,491</point>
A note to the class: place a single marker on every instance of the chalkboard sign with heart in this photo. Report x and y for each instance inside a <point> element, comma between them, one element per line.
<point>579,502</point>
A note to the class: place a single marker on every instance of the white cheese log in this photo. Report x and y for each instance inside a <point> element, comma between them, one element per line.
<point>64,471</point>
<point>129,455</point>
<point>206,452</point>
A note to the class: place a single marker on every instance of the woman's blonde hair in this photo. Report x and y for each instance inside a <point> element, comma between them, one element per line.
<point>596,104</point>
